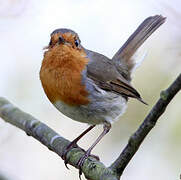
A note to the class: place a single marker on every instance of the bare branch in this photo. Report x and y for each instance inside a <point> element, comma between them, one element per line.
<point>137,138</point>
<point>92,168</point>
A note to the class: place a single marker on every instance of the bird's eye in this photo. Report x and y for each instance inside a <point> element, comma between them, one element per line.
<point>77,42</point>
<point>60,39</point>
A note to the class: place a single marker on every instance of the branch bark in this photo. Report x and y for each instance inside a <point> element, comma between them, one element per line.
<point>149,122</point>
<point>92,168</point>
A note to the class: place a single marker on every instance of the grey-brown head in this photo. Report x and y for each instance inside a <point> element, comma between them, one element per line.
<point>64,36</point>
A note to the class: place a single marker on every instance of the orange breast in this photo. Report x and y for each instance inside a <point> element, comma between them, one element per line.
<point>61,75</point>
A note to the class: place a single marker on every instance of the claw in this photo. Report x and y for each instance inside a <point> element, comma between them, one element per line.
<point>66,162</point>
<point>68,148</point>
<point>81,162</point>
<point>82,159</point>
<point>80,173</point>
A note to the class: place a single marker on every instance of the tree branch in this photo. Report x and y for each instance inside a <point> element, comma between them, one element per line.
<point>149,122</point>
<point>92,168</point>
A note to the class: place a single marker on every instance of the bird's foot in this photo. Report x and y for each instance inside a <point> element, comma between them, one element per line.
<point>68,148</point>
<point>82,159</point>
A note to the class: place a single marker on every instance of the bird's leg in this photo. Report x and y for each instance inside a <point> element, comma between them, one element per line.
<point>106,129</point>
<point>74,144</point>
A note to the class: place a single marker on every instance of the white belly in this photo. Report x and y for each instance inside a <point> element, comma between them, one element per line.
<point>103,107</point>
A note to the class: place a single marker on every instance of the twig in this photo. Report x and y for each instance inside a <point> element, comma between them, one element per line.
<point>149,122</point>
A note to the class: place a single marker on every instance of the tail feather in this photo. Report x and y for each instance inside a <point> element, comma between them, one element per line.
<point>147,27</point>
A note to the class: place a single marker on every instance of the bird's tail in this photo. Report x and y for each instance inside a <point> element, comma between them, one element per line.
<point>146,28</point>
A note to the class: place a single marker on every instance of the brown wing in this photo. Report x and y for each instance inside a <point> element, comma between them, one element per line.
<point>124,88</point>
<point>119,87</point>
<point>104,73</point>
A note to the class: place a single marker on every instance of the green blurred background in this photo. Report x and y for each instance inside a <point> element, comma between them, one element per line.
<point>103,26</point>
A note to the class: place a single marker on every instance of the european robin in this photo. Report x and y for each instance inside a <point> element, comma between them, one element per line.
<point>87,86</point>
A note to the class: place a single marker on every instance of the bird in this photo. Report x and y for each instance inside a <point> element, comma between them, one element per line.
<point>87,86</point>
